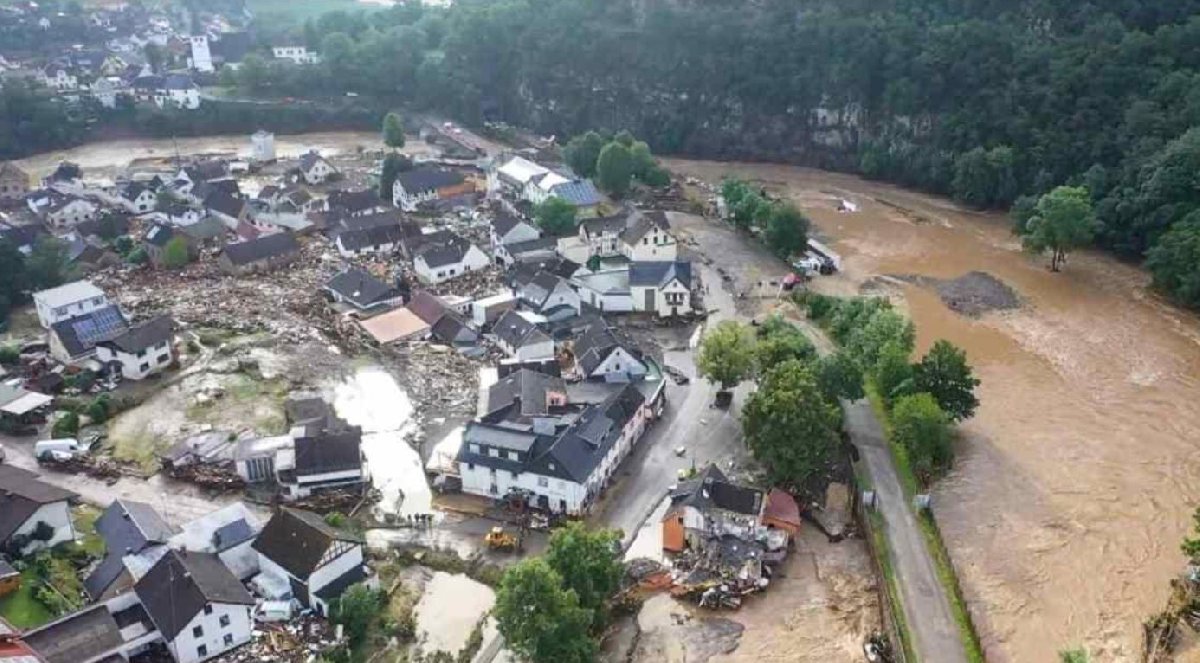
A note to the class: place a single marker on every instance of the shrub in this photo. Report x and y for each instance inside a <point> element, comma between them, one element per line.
<point>66,426</point>
<point>9,355</point>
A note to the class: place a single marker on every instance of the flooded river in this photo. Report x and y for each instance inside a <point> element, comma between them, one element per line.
<point>1077,478</point>
<point>372,399</point>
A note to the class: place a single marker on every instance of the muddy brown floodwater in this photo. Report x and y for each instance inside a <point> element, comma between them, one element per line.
<point>1077,477</point>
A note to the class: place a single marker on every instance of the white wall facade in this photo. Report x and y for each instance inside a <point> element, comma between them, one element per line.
<point>341,565</point>
<point>215,638</point>
<point>621,302</point>
<point>408,201</point>
<point>674,299</point>
<point>474,259</point>
<point>141,365</point>
<point>72,213</point>
<point>535,351</point>
<point>56,515</point>
<point>619,366</point>
<point>49,316</point>
<point>480,480</point>
<point>201,59</point>
<point>656,245</point>
<point>319,172</point>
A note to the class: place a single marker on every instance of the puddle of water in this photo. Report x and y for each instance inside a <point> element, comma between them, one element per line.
<point>372,399</point>
<point>648,542</point>
<point>449,610</point>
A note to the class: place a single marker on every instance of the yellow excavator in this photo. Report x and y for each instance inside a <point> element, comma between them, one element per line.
<point>498,539</point>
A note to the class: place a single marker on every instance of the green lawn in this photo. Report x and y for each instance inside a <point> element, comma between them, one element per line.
<point>301,10</point>
<point>85,526</point>
<point>21,609</point>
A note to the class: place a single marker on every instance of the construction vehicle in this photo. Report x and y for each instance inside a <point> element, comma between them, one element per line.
<point>498,539</point>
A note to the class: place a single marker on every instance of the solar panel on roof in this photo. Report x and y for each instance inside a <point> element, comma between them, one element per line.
<point>101,325</point>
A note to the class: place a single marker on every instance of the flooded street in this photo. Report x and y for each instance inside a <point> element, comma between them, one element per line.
<point>105,158</point>
<point>449,609</point>
<point>372,399</point>
<point>1077,478</point>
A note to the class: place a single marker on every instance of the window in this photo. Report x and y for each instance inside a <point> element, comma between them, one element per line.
<point>208,609</point>
<point>162,359</point>
<point>470,466</point>
<point>494,453</point>
<point>543,482</point>
<point>202,651</point>
<point>512,455</point>
<point>474,448</point>
<point>144,367</point>
<point>224,621</point>
<point>645,240</point>
<point>198,632</point>
<point>228,639</point>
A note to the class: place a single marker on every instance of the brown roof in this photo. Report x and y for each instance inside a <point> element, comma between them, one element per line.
<point>427,307</point>
<point>395,326</point>
<point>782,507</point>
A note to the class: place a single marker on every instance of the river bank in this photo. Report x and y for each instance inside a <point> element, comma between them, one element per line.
<point>1077,477</point>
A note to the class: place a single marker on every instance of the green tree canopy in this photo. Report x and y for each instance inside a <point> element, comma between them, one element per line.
<point>892,372</point>
<point>1174,261</point>
<point>790,426</point>
<point>47,263</point>
<point>920,426</point>
<point>588,563</point>
<point>393,164</point>
<point>779,341</point>
<point>175,253</point>
<point>727,354</point>
<point>1063,221</point>
<point>786,231</point>
<point>945,374</point>
<point>356,610</point>
<point>839,377</point>
<point>393,130</point>
<point>875,330</point>
<point>582,152</point>
<point>614,169</point>
<point>540,620</point>
<point>555,216</point>
<point>14,279</point>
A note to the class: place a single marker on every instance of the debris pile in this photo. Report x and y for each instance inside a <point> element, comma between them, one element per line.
<point>302,640</point>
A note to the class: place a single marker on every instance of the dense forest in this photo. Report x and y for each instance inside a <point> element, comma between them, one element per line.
<point>994,103</point>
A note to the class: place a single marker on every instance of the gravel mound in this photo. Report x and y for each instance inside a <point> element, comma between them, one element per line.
<point>972,294</point>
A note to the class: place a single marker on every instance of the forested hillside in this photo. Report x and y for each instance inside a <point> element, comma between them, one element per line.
<point>980,99</point>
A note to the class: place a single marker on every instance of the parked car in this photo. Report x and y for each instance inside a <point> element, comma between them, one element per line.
<point>60,449</point>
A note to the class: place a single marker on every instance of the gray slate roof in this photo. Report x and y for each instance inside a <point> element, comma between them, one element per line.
<point>524,389</point>
<point>263,248</point>
<point>296,540</point>
<point>660,273</point>
<point>642,223</point>
<point>81,636</point>
<point>21,495</point>
<point>421,180</point>
<point>145,335</point>
<point>514,330</point>
<point>181,584</point>
<point>597,342</point>
<point>360,288</point>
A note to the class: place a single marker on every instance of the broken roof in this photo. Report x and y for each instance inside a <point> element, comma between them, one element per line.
<point>181,584</point>
<point>712,489</point>
<point>299,541</point>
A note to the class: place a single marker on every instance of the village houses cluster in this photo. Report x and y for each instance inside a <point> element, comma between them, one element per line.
<point>454,258</point>
<point>133,53</point>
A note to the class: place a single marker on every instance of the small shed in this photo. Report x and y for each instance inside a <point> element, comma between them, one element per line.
<point>782,512</point>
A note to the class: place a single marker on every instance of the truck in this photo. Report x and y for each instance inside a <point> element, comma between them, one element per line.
<point>60,449</point>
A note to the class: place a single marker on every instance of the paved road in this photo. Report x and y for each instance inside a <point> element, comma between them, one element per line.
<point>923,598</point>
<point>708,434</point>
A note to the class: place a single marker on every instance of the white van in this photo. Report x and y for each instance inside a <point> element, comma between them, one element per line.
<point>61,449</point>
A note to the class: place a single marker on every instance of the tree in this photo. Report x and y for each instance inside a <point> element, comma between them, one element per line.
<point>779,341</point>
<point>108,226</point>
<point>732,192</point>
<point>727,354</point>
<point>393,164</point>
<point>555,216</point>
<point>893,374</point>
<point>587,562</point>
<point>1063,221</point>
<point>1191,544</point>
<point>866,339</point>
<point>1174,261</point>
<point>66,426</point>
<point>839,377</point>
<point>624,137</point>
<point>787,230</point>
<point>790,425</point>
<point>155,57</point>
<point>356,610</point>
<point>540,620</point>
<point>47,263</point>
<point>945,374</point>
<point>920,426</point>
<point>582,153</point>
<point>254,75</point>
<point>614,168</point>
<point>642,160</point>
<point>393,131</point>
<point>175,253</point>
<point>14,277</point>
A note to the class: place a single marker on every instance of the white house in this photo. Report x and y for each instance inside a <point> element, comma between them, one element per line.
<point>297,54</point>
<point>508,229</point>
<point>648,238</point>
<point>199,608</point>
<point>522,339</point>
<point>513,175</point>
<point>369,240</point>
<point>138,198</point>
<point>58,77</point>
<point>564,471</point>
<point>142,350</point>
<point>314,168</point>
<point>602,354</point>
<point>67,301</point>
<point>607,290</point>
<point>440,262</point>
<point>310,560</point>
<point>423,185</point>
<point>107,90</point>
<point>62,211</point>
<point>178,91</point>
<point>664,288</point>
<point>36,515</point>
<point>262,146</point>
<point>549,294</point>
<point>201,59</point>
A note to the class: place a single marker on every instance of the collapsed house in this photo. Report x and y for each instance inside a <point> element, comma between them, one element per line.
<point>726,537</point>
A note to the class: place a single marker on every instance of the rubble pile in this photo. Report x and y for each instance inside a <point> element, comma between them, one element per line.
<point>96,467</point>
<point>438,379</point>
<point>299,641</point>
<point>208,475</point>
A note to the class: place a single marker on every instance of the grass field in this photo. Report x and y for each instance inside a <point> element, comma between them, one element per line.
<point>302,10</point>
<point>20,608</point>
